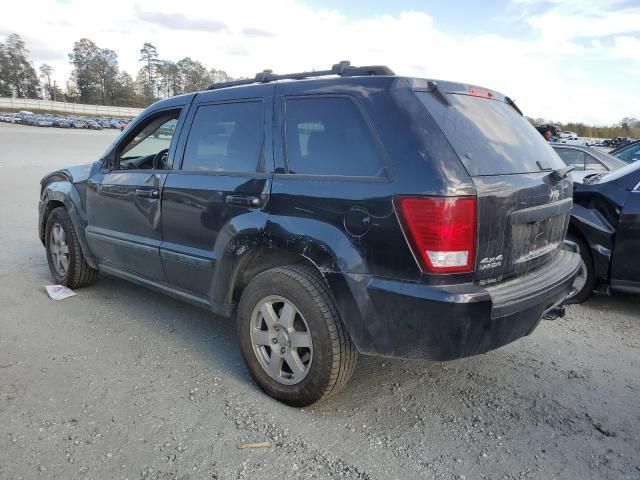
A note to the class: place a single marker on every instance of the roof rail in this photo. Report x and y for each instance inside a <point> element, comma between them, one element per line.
<point>342,69</point>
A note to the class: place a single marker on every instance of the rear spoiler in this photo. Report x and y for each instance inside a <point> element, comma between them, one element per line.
<point>441,88</point>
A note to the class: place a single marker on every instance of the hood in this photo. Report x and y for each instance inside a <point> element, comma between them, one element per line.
<point>74,174</point>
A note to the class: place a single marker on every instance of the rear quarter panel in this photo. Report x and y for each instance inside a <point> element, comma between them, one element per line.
<point>348,224</point>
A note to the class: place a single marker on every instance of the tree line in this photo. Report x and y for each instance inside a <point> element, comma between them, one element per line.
<point>96,77</point>
<point>627,127</point>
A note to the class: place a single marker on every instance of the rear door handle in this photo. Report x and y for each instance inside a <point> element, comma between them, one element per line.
<point>147,193</point>
<point>243,201</point>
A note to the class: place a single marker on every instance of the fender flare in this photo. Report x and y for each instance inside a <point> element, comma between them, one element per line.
<point>319,244</point>
<point>66,193</point>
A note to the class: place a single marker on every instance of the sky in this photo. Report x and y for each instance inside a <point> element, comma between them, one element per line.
<point>571,60</point>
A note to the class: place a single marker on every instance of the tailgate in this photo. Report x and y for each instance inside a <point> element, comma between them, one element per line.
<point>522,222</point>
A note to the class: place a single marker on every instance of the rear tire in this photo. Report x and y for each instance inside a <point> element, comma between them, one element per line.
<point>66,261</point>
<point>586,272</point>
<point>287,316</point>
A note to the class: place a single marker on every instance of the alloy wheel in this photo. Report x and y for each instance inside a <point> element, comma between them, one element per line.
<point>281,340</point>
<point>59,249</point>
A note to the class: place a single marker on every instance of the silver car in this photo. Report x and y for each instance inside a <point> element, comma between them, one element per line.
<point>586,160</point>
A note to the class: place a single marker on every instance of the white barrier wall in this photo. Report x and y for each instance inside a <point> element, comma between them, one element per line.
<point>81,109</point>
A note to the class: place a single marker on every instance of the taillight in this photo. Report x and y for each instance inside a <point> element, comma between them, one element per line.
<point>480,92</point>
<point>441,231</point>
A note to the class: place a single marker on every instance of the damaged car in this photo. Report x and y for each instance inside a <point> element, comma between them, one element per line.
<point>605,224</point>
<point>331,213</point>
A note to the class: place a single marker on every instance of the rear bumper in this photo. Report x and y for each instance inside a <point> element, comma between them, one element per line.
<point>408,320</point>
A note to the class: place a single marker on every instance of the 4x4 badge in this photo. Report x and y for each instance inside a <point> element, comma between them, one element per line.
<point>554,194</point>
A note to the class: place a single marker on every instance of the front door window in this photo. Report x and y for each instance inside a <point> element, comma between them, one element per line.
<point>150,147</point>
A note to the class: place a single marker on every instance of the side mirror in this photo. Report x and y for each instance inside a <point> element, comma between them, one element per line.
<point>108,161</point>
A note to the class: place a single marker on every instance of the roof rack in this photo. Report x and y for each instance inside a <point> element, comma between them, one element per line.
<point>342,69</point>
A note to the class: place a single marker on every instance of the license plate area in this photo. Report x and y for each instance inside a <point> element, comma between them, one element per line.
<point>534,240</point>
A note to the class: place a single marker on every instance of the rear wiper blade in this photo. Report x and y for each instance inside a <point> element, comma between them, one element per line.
<point>439,94</point>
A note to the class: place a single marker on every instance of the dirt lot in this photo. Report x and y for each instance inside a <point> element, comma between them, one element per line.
<point>121,382</point>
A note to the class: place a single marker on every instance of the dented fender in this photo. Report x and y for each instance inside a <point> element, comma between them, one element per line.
<point>66,193</point>
<point>329,248</point>
<point>599,235</point>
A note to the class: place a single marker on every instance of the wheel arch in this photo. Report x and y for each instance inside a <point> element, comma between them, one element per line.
<point>261,259</point>
<point>64,194</point>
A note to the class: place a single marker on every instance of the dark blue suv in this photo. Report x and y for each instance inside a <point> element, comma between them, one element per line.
<point>334,212</point>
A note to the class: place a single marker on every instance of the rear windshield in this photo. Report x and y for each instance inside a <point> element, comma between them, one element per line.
<point>609,160</point>
<point>620,172</point>
<point>489,136</point>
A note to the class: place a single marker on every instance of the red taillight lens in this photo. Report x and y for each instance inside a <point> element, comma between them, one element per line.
<point>441,230</point>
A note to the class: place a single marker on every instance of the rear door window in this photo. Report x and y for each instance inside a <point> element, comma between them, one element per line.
<point>226,137</point>
<point>592,163</point>
<point>489,136</point>
<point>329,136</point>
<point>572,157</point>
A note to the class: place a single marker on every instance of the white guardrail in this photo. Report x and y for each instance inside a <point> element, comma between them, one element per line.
<point>79,108</point>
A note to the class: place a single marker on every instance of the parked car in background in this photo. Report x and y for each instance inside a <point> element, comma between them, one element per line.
<point>43,122</point>
<point>60,122</point>
<point>586,160</point>
<point>77,123</point>
<point>617,142</point>
<point>26,119</point>
<point>569,140</point>
<point>329,216</point>
<point>93,125</point>
<point>25,115</point>
<point>627,153</point>
<point>605,223</point>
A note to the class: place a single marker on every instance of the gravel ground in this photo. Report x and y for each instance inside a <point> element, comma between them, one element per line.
<point>121,382</point>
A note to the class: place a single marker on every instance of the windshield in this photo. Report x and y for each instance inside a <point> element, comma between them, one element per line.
<point>489,136</point>
<point>630,153</point>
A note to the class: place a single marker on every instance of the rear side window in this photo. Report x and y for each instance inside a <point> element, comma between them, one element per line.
<point>574,158</point>
<point>226,137</point>
<point>329,136</point>
<point>593,164</point>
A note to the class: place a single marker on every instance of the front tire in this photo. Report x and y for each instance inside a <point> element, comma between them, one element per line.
<point>65,258</point>
<point>292,338</point>
<point>586,278</point>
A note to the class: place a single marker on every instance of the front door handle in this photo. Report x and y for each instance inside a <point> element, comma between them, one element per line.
<point>147,193</point>
<point>243,201</point>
